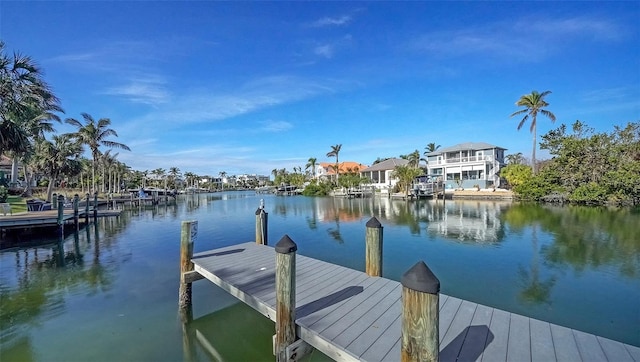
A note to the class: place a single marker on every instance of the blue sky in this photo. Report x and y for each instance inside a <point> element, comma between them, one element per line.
<point>246,87</point>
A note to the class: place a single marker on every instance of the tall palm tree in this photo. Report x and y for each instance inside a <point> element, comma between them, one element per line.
<point>174,172</point>
<point>335,151</point>
<point>94,134</point>
<point>533,104</point>
<point>312,164</point>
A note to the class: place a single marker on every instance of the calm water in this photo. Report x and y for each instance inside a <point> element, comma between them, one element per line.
<point>109,292</point>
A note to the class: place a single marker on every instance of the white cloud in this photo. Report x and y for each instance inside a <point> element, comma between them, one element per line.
<point>524,39</point>
<point>145,91</point>
<point>335,21</point>
<point>276,126</point>
<point>324,51</point>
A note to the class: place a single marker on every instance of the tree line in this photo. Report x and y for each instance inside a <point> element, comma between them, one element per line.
<point>586,167</point>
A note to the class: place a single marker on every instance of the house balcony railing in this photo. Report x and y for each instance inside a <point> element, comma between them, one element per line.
<point>464,159</point>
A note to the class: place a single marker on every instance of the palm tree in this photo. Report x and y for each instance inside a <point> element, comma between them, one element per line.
<point>533,103</point>
<point>94,134</point>
<point>405,175</point>
<point>312,164</point>
<point>515,159</point>
<point>335,151</point>
<point>174,172</point>
<point>24,97</point>
<point>222,175</point>
<point>57,158</point>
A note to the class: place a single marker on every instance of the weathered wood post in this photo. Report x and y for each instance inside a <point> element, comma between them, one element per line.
<point>261,225</point>
<point>86,208</point>
<point>285,296</point>
<point>76,203</point>
<point>420,314</point>
<point>54,201</point>
<point>373,237</point>
<point>188,234</point>
<point>60,205</point>
<point>95,204</point>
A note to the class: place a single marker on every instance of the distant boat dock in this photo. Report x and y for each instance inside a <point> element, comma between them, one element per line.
<point>350,315</point>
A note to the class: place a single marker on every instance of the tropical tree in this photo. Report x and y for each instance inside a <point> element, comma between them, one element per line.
<point>533,104</point>
<point>174,172</point>
<point>312,165</point>
<point>24,97</point>
<point>222,175</point>
<point>56,158</point>
<point>431,147</point>
<point>413,158</point>
<point>405,175</point>
<point>335,151</point>
<point>515,159</point>
<point>94,134</point>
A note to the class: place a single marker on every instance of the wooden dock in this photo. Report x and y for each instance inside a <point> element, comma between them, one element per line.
<point>47,217</point>
<point>350,316</point>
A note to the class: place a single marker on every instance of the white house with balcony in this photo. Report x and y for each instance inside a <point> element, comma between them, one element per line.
<point>467,164</point>
<point>381,173</point>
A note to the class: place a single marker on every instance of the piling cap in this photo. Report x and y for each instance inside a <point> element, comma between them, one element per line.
<point>258,211</point>
<point>420,278</point>
<point>286,245</point>
<point>61,197</point>
<point>374,223</point>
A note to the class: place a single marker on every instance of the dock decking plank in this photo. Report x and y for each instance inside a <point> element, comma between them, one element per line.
<point>364,341</point>
<point>519,343</point>
<point>368,320</point>
<point>451,344</point>
<point>589,347</point>
<point>614,351</point>
<point>385,343</point>
<point>565,344</point>
<point>478,335</point>
<point>447,313</point>
<point>496,350</point>
<point>542,348</point>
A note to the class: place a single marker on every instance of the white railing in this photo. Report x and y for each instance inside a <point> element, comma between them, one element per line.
<point>463,159</point>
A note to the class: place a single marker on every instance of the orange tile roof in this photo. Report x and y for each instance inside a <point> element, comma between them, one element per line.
<point>344,167</point>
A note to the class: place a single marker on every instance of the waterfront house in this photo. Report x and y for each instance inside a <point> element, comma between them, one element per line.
<point>380,173</point>
<point>467,165</point>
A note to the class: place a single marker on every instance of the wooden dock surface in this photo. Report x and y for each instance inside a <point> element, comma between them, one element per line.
<point>47,217</point>
<point>350,316</point>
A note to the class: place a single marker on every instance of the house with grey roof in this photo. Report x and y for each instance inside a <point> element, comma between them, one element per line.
<point>380,173</point>
<point>467,164</point>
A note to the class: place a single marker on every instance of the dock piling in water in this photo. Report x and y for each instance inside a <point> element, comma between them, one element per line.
<point>188,234</point>
<point>420,314</point>
<point>261,225</point>
<point>373,237</point>
<point>76,202</point>
<point>95,205</point>
<point>285,296</point>
<point>60,205</point>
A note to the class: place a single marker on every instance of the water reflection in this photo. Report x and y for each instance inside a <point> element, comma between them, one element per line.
<point>584,237</point>
<point>33,287</point>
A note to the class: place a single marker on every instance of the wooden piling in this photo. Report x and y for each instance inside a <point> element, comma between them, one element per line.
<point>95,204</point>
<point>420,314</point>
<point>285,296</point>
<point>76,213</point>
<point>261,226</point>
<point>60,204</point>
<point>86,206</point>
<point>373,241</point>
<point>188,235</point>
<point>54,201</point>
